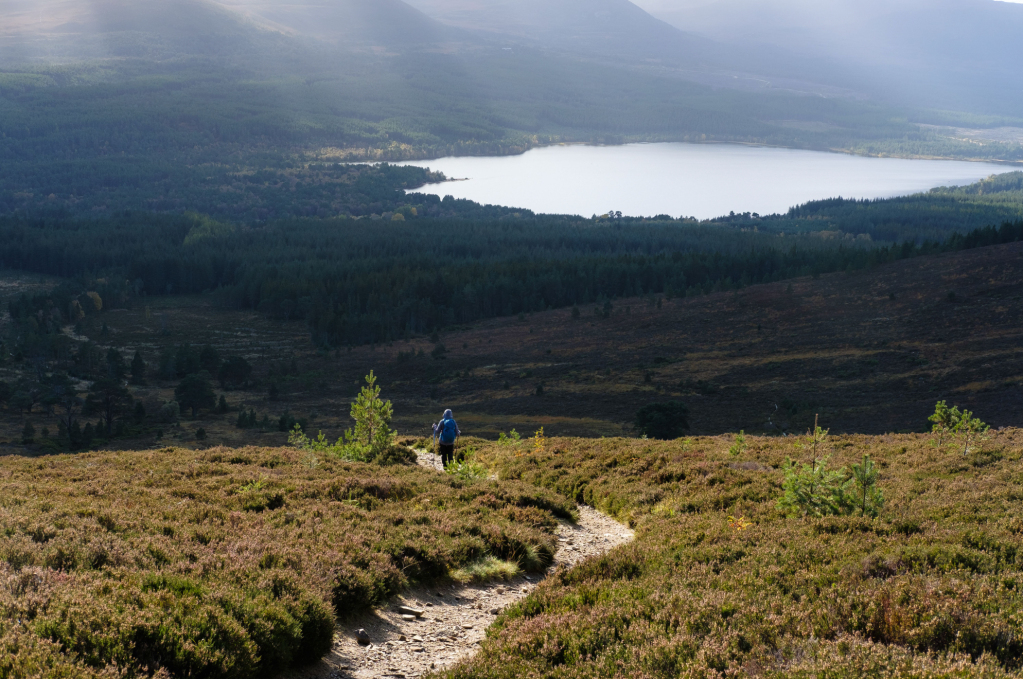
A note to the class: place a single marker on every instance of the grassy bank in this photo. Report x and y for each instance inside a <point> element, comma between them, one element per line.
<point>229,562</point>
<point>721,582</point>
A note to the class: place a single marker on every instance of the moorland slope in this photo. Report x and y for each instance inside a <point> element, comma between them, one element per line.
<point>721,580</point>
<point>230,562</point>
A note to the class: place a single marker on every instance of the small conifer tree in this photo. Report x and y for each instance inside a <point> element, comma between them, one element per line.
<point>372,416</point>
<point>868,499</point>
<point>970,429</point>
<point>944,419</point>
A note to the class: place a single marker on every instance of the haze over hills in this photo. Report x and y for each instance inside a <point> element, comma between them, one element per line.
<point>948,54</point>
<point>584,26</point>
<point>167,29</point>
<point>391,23</point>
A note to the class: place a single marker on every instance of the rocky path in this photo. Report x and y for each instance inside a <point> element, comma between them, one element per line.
<point>435,627</point>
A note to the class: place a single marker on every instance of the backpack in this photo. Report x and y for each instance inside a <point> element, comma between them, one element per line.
<point>448,431</point>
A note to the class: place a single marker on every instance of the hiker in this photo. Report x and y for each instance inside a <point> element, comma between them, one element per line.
<point>446,432</point>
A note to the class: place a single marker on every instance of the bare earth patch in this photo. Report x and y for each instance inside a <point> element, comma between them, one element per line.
<point>454,618</point>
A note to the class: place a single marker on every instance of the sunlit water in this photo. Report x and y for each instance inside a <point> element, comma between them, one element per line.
<point>698,180</point>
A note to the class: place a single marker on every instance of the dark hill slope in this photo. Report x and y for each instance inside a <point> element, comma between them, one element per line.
<point>841,346</point>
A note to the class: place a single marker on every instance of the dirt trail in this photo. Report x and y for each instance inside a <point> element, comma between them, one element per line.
<point>454,618</point>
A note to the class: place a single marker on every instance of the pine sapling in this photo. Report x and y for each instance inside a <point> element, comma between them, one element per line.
<point>970,429</point>
<point>372,416</point>
<point>869,498</point>
<point>945,420</point>
<point>739,447</point>
<point>812,489</point>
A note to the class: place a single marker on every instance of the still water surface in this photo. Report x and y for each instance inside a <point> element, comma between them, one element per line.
<point>699,180</point>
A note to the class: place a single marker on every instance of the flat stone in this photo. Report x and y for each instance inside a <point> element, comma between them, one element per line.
<point>408,610</point>
<point>495,611</point>
<point>467,626</point>
<point>409,618</point>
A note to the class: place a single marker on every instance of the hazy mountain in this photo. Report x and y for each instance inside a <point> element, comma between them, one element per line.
<point>583,26</point>
<point>40,29</point>
<point>390,23</point>
<point>957,54</point>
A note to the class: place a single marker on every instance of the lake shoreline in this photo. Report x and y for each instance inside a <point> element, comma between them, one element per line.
<point>703,180</point>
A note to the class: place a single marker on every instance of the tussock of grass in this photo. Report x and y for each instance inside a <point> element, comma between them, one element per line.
<point>721,582</point>
<point>485,570</point>
<point>228,563</point>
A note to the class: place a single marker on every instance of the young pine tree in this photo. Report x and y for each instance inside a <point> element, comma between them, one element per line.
<point>812,489</point>
<point>372,417</point>
<point>868,498</point>
<point>970,429</point>
<point>945,420</point>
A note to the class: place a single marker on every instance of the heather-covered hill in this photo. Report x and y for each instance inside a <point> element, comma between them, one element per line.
<point>230,562</point>
<point>921,581</point>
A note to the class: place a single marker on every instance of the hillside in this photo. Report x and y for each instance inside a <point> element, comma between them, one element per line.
<point>229,563</point>
<point>870,351</point>
<point>918,581</point>
<point>604,27</point>
<point>390,24</point>
<point>60,30</point>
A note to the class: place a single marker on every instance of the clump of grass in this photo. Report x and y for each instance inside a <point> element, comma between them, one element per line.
<point>486,569</point>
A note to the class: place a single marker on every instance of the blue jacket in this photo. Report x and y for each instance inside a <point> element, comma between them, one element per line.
<point>448,430</point>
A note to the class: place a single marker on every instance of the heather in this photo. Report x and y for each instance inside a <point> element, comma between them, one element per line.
<point>230,562</point>
<point>721,581</point>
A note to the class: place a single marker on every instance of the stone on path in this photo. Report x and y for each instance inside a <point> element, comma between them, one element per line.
<point>362,636</point>
<point>408,610</point>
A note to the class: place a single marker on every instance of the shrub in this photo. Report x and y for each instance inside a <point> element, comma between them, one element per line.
<point>195,393</point>
<point>467,470</point>
<point>959,423</point>
<point>669,420</point>
<point>234,373</point>
<point>170,412</point>
<point>509,438</point>
<point>739,447</point>
<point>813,489</point>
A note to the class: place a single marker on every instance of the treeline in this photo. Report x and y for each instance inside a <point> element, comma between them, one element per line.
<point>280,190</point>
<point>353,283</point>
<point>931,216</point>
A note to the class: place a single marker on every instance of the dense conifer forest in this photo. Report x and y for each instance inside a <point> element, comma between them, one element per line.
<point>402,273</point>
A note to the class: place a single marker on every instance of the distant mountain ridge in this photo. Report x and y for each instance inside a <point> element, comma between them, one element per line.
<point>955,54</point>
